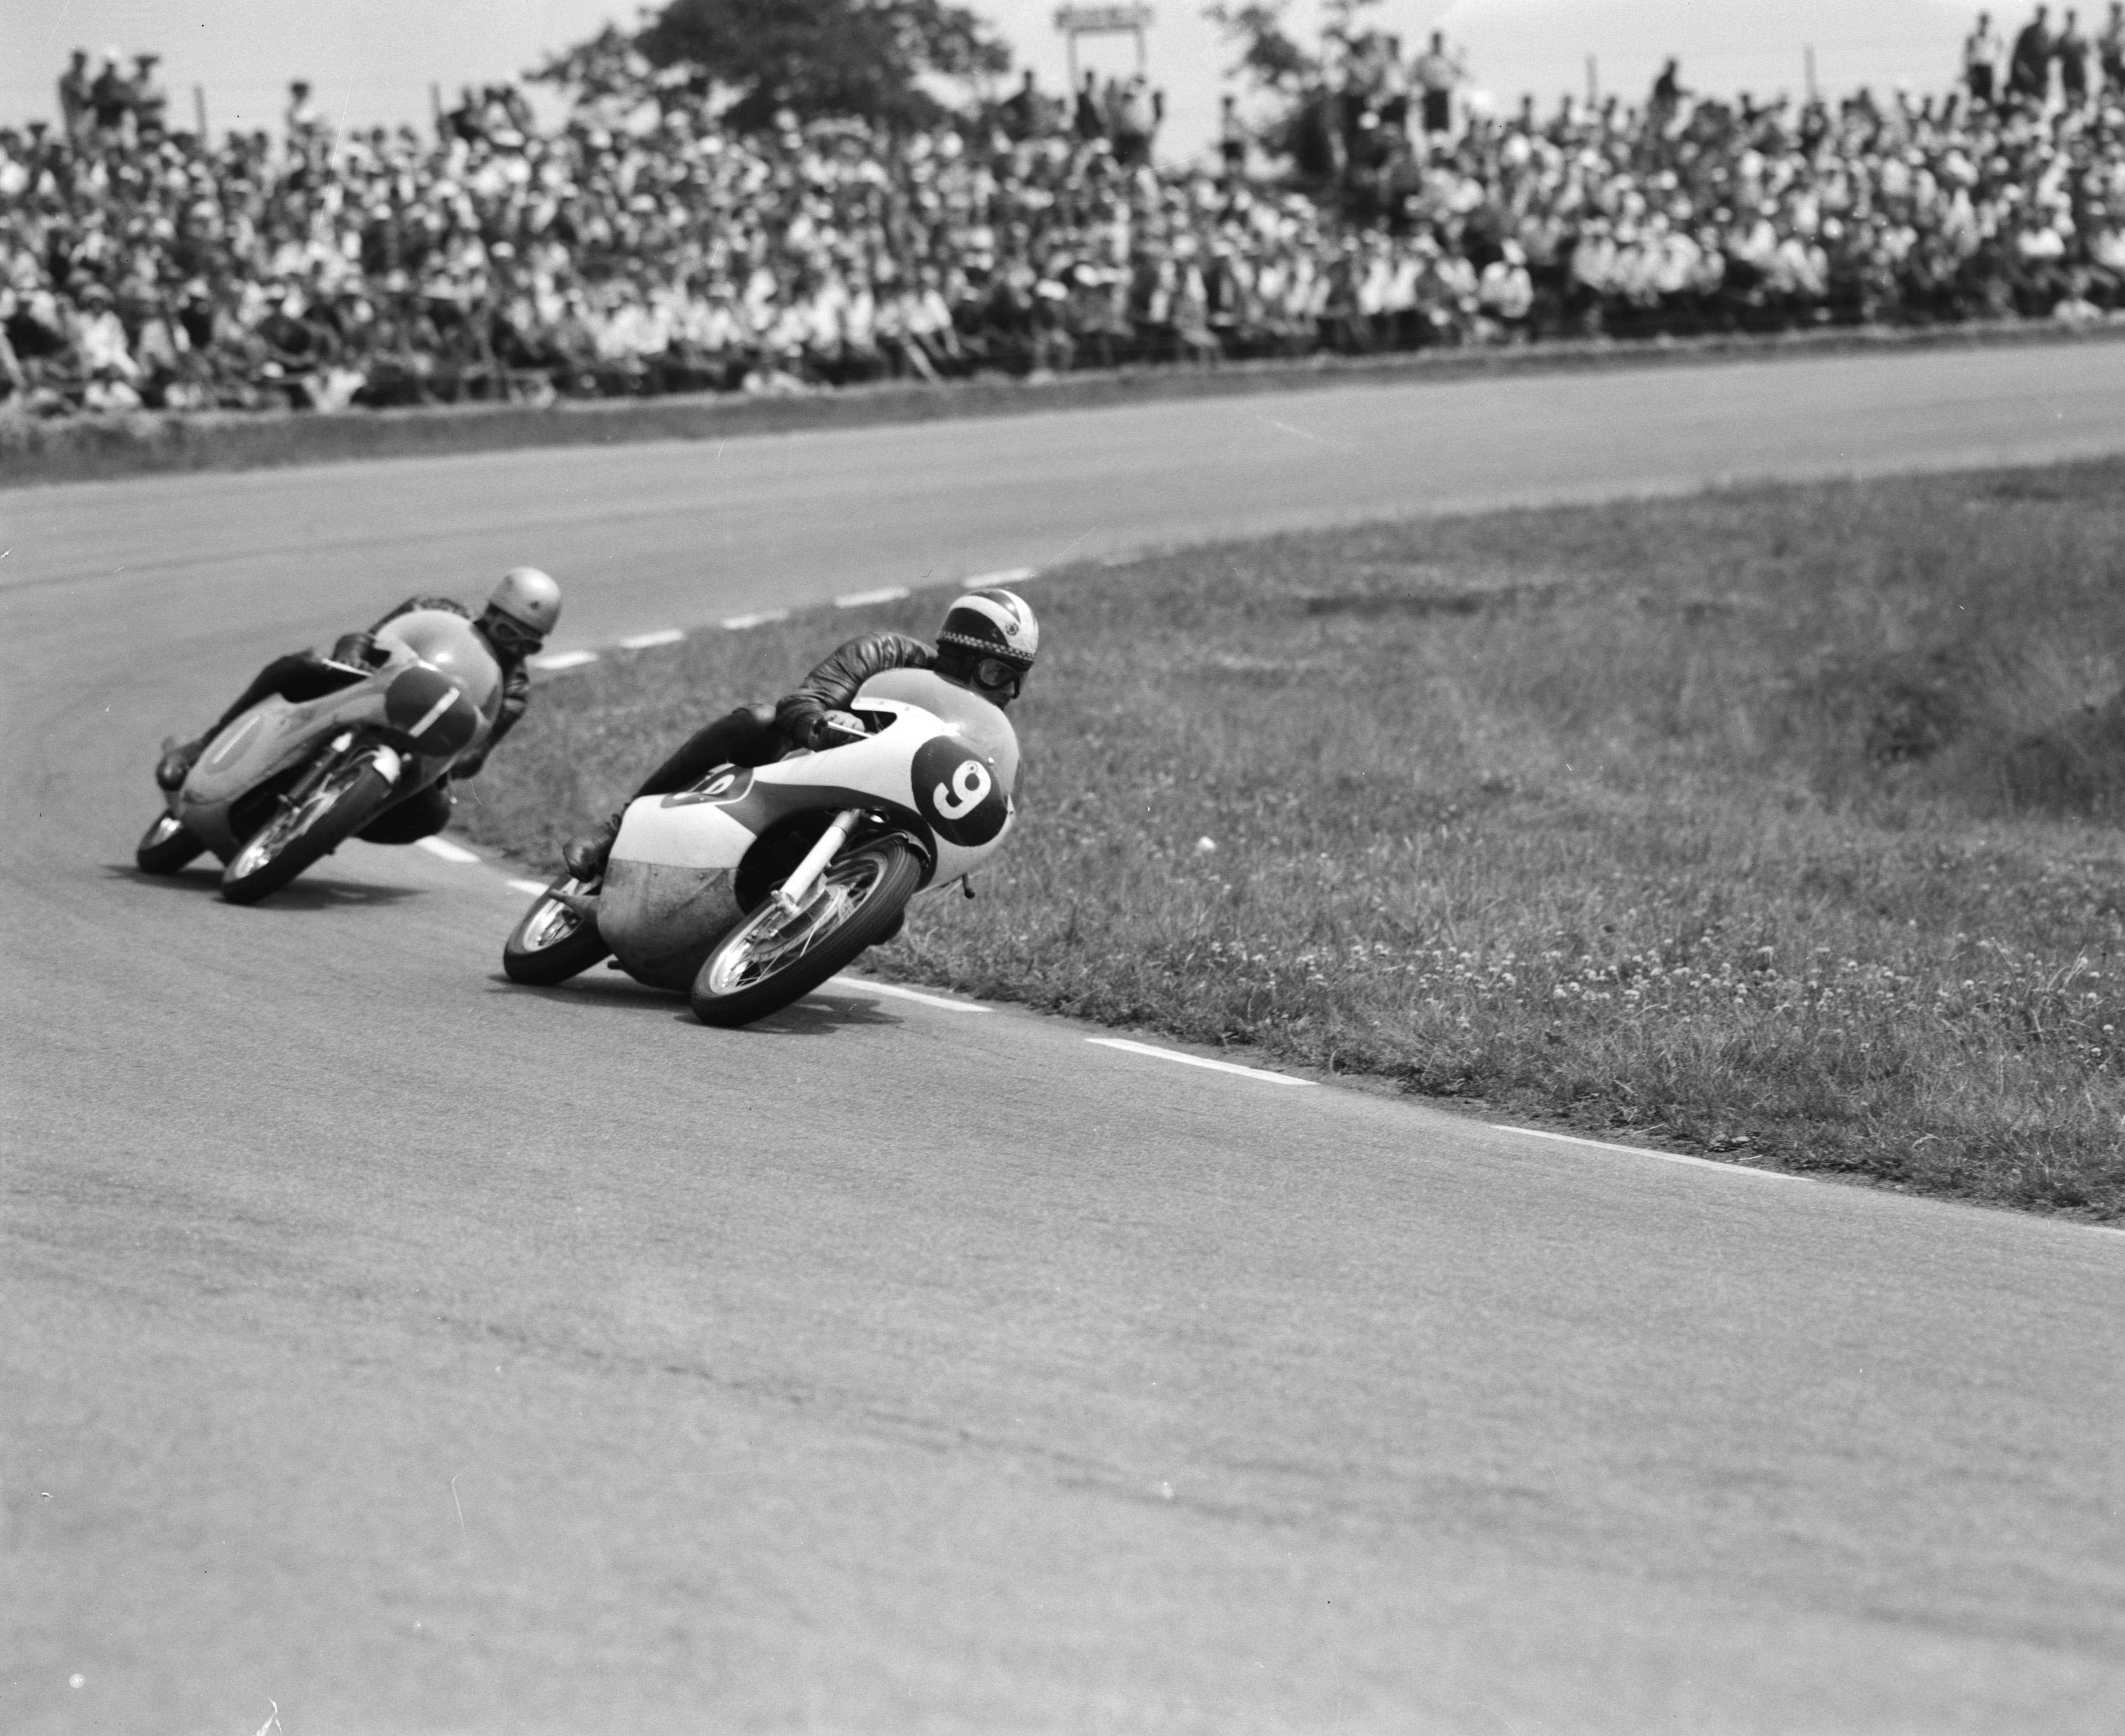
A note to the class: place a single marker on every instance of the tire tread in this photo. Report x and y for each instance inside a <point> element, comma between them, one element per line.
<point>880,914</point>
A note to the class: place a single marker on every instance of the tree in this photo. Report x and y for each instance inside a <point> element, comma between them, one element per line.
<point>1307,119</point>
<point>1268,56</point>
<point>868,59</point>
<point>607,69</point>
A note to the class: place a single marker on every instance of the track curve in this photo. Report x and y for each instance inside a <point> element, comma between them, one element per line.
<point>406,1351</point>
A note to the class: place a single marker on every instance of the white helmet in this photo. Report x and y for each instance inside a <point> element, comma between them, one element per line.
<point>991,624</point>
<point>529,598</point>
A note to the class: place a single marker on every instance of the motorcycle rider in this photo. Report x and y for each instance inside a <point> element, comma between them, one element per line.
<point>986,644</point>
<point>520,612</point>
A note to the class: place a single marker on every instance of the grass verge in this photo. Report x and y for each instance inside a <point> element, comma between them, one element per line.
<point>1778,822</point>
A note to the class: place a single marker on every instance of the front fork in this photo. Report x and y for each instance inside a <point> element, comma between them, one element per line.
<point>808,872</point>
<point>389,761</point>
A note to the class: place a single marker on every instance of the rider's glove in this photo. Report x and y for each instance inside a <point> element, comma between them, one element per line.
<point>831,729</point>
<point>353,647</point>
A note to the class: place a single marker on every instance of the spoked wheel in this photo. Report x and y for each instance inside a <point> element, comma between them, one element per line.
<point>556,940</point>
<point>302,832</point>
<point>166,846</point>
<point>773,959</point>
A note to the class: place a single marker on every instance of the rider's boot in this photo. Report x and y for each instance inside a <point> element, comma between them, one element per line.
<point>178,760</point>
<point>586,856</point>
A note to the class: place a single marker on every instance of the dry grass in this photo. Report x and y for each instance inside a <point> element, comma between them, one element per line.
<point>1778,822</point>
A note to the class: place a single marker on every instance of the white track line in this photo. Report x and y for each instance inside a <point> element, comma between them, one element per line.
<point>554,661</point>
<point>1197,1061</point>
<point>1666,1157</point>
<point>869,985</point>
<point>450,852</point>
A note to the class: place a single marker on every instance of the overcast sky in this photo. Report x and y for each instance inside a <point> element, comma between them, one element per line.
<point>372,60</point>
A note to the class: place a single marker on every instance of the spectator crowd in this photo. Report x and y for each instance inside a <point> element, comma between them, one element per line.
<point>638,247</point>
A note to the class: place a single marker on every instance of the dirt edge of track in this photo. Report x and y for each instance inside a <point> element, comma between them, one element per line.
<point>148,443</point>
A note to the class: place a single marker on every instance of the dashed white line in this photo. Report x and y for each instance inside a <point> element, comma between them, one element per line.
<point>553,661</point>
<point>869,985</point>
<point>533,887</point>
<point>862,598</point>
<point>448,851</point>
<point>1197,1061</point>
<point>1666,1157</point>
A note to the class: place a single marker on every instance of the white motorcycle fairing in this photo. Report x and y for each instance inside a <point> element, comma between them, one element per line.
<point>448,706</point>
<point>941,768</point>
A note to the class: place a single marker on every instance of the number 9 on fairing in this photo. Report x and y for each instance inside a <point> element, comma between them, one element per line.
<point>971,785</point>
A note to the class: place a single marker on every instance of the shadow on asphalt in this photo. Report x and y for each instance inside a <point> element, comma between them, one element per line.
<point>823,1011</point>
<point>820,1014</point>
<point>309,893</point>
<point>597,987</point>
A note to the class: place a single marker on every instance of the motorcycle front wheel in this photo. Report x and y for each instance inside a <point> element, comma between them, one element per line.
<point>553,942</point>
<point>306,831</point>
<point>166,846</point>
<point>773,959</point>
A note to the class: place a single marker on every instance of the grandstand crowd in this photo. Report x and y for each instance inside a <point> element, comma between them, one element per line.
<point>639,247</point>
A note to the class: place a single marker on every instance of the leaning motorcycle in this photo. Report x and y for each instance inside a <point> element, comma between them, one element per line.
<point>285,783</point>
<point>753,888</point>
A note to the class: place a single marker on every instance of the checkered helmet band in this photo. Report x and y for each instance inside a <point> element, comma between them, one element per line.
<point>993,623</point>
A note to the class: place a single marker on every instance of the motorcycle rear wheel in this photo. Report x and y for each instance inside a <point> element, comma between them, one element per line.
<point>553,942</point>
<point>306,833</point>
<point>166,846</point>
<point>770,959</point>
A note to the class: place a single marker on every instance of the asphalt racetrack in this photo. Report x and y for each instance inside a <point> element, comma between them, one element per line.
<point>385,1348</point>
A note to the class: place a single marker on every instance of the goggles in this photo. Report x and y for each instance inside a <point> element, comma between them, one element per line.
<point>511,637</point>
<point>995,672</point>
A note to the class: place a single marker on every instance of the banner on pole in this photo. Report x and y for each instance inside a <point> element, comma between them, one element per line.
<point>1101,21</point>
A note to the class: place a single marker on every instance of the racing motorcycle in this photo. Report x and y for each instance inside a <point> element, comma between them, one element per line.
<point>753,886</point>
<point>286,783</point>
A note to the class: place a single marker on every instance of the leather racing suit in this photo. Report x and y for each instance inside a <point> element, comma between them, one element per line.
<point>757,735</point>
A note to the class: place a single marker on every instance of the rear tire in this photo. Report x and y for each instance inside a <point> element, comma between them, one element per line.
<point>770,960</point>
<point>166,846</point>
<point>295,837</point>
<point>553,942</point>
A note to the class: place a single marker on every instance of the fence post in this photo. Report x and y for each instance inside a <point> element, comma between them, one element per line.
<point>199,115</point>
<point>1593,85</point>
